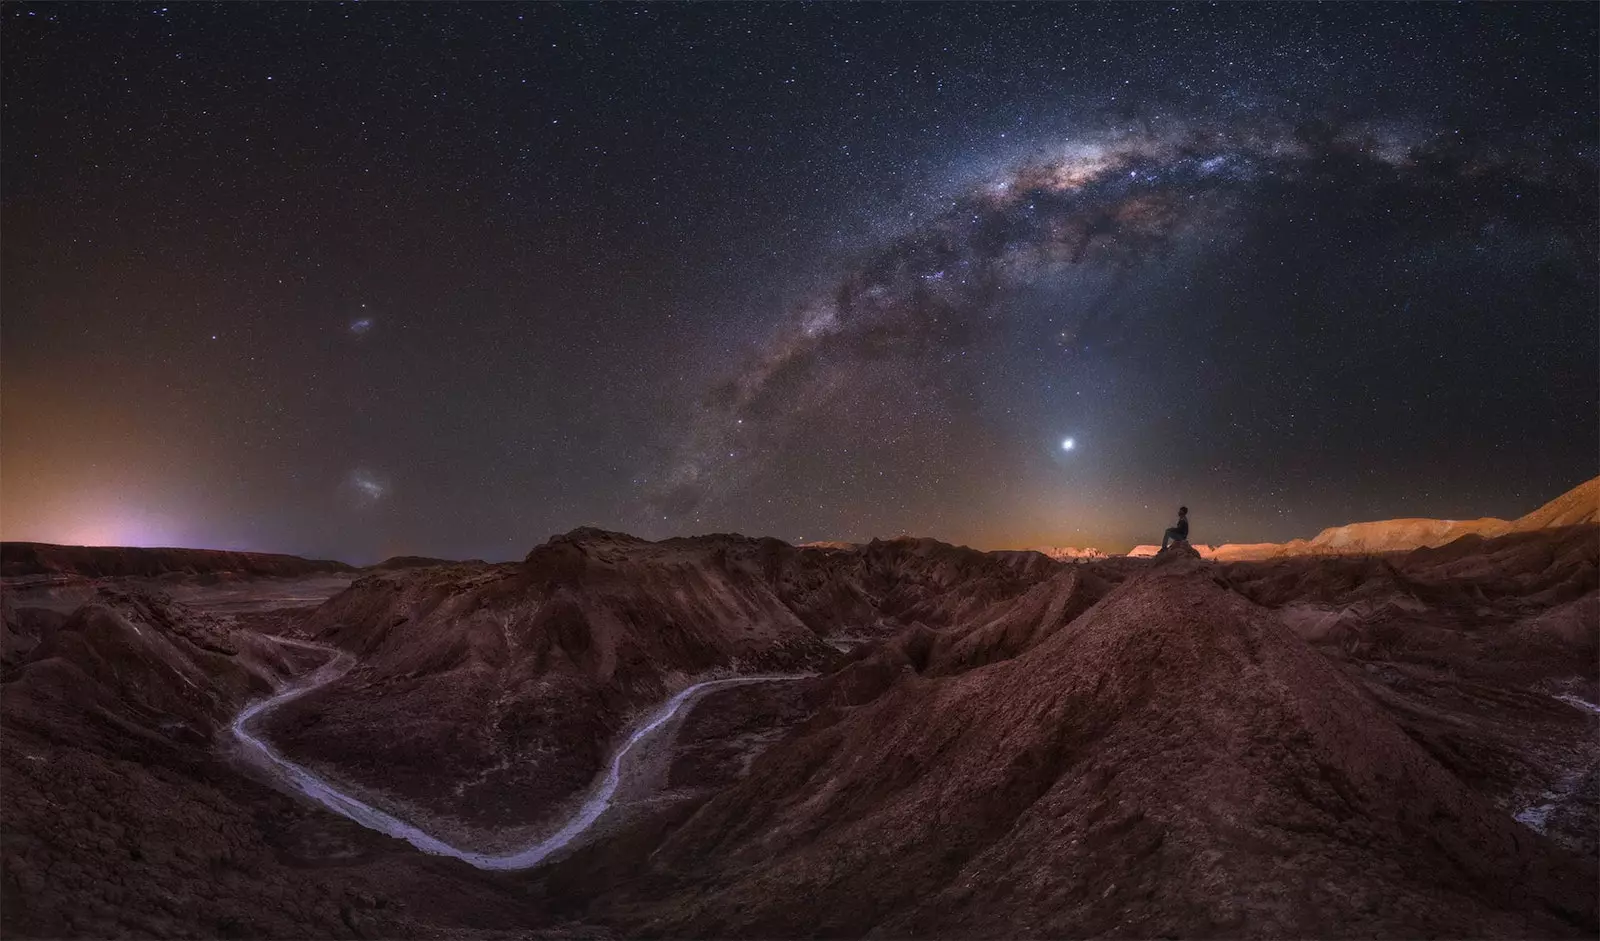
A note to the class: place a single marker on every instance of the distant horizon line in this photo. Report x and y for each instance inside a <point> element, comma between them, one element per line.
<point>796,543</point>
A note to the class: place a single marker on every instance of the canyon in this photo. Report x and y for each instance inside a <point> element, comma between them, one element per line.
<point>1389,729</point>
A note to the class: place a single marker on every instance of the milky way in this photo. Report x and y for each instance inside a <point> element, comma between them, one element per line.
<point>1120,203</point>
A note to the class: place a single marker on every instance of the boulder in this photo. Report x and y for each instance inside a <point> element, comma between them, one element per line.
<point>1178,548</point>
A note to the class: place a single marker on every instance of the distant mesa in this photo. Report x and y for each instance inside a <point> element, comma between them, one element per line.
<point>42,558</point>
<point>1577,507</point>
<point>416,562</point>
<point>1071,554</point>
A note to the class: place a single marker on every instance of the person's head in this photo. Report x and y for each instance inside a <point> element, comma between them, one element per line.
<point>1183,511</point>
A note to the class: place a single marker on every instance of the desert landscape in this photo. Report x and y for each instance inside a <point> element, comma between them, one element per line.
<point>578,470</point>
<point>724,736</point>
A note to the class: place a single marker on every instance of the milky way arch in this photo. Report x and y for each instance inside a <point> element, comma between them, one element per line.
<point>1114,203</point>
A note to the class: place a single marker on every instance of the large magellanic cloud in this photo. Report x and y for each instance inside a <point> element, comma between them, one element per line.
<point>1108,204</point>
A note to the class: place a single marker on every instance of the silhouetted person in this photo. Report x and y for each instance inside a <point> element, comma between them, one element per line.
<point>1180,531</point>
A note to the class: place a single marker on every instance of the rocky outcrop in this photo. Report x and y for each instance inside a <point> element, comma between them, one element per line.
<point>1178,548</point>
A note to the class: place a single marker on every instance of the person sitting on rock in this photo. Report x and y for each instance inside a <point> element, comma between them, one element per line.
<point>1178,533</point>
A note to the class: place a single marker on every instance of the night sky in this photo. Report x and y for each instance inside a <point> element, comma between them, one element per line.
<point>352,281</point>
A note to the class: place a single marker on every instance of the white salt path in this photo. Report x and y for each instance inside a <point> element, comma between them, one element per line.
<point>306,782</point>
<point>1538,815</point>
<point>1583,704</point>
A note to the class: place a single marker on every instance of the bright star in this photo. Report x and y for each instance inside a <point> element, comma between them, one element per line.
<point>1068,444</point>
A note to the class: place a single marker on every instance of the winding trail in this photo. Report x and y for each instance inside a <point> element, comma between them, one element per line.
<point>304,781</point>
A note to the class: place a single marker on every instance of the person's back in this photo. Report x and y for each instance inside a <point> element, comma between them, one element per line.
<point>1179,532</point>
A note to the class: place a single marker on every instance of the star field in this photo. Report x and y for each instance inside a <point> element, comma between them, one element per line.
<point>360,281</point>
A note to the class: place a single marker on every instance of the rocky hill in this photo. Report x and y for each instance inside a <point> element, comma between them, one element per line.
<point>1153,757</point>
<point>497,689</point>
<point>126,817</point>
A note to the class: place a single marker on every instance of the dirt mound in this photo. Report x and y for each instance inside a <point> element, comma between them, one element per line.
<point>1174,762</point>
<point>40,558</point>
